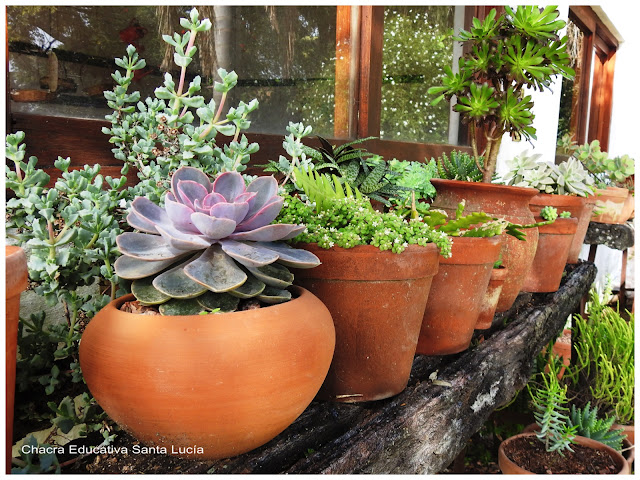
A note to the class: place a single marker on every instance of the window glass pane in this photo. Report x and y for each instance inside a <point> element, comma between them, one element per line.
<point>571,95</point>
<point>417,46</point>
<point>284,57</point>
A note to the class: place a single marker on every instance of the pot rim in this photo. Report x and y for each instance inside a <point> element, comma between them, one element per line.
<point>562,226</point>
<point>474,250</point>
<point>492,187</point>
<point>556,199</point>
<point>297,293</point>
<point>584,441</point>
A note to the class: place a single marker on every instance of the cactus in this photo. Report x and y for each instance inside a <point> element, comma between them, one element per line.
<point>589,425</point>
<point>211,239</point>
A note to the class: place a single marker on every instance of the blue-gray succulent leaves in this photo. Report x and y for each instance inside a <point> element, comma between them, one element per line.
<point>210,237</point>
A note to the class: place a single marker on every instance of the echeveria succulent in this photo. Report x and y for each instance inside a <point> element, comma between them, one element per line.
<point>210,240</point>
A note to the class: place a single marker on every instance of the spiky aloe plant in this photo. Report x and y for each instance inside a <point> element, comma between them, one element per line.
<point>210,245</point>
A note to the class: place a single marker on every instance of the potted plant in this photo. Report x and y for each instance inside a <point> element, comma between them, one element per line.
<point>491,296</point>
<point>555,447</point>
<point>614,179</point>
<point>375,277</point>
<point>209,247</point>
<point>506,54</point>
<point>566,187</point>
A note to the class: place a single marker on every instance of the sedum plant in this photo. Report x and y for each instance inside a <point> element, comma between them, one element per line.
<point>506,54</point>
<point>589,425</point>
<point>209,242</point>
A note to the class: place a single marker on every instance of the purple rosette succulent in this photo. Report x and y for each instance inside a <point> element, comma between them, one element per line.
<point>211,245</point>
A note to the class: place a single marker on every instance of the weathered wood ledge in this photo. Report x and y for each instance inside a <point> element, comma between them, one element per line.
<point>616,236</point>
<point>424,428</point>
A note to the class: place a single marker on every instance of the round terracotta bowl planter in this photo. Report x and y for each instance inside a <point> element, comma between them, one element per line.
<point>508,467</point>
<point>456,296</point>
<point>551,257</point>
<point>208,386</point>
<point>610,205</point>
<point>491,297</point>
<point>580,208</point>
<point>511,203</point>
<point>377,300</point>
<point>17,278</point>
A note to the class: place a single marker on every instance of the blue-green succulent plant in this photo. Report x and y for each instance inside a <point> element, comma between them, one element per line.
<point>212,243</point>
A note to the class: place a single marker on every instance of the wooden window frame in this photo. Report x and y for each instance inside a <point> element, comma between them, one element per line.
<point>358,97</point>
<point>594,104</point>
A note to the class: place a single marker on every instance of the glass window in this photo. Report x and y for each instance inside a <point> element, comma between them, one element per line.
<point>61,58</point>
<point>417,46</point>
<point>570,96</point>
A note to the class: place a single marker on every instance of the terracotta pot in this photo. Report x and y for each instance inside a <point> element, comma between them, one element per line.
<point>508,467</point>
<point>511,203</point>
<point>610,205</point>
<point>377,300</point>
<point>629,430</point>
<point>457,293</point>
<point>491,297</point>
<point>627,451</point>
<point>629,208</point>
<point>580,208</point>
<point>227,383</point>
<point>551,257</point>
<point>17,278</point>
<point>562,348</point>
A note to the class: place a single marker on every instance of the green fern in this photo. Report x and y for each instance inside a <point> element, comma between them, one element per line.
<point>323,191</point>
<point>589,425</point>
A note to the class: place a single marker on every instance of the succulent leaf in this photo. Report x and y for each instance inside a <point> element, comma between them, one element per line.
<point>273,295</point>
<point>223,301</point>
<point>233,211</point>
<point>176,284</point>
<point>292,257</point>
<point>146,247</point>
<point>213,228</point>
<point>140,223</point>
<point>269,233</point>
<point>251,288</point>
<point>216,270</point>
<point>229,185</point>
<point>190,174</point>
<point>273,275</point>
<point>131,268</point>
<point>182,241</point>
<point>178,307</point>
<point>188,191</point>
<point>262,217</point>
<point>146,293</point>
<point>249,255</point>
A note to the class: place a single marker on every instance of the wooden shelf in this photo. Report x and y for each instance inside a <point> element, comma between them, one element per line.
<point>424,428</point>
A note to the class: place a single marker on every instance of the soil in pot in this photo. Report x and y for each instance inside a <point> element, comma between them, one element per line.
<point>511,203</point>
<point>457,294</point>
<point>377,300</point>
<point>579,207</point>
<point>551,256</point>
<point>491,297</point>
<point>208,386</point>
<point>589,457</point>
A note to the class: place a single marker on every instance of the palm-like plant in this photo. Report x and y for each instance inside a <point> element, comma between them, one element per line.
<point>507,54</point>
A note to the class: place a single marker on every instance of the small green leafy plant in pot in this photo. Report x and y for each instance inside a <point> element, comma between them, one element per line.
<point>204,378</point>
<point>375,277</point>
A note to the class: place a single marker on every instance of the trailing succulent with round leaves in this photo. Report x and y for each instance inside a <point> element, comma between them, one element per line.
<point>211,244</point>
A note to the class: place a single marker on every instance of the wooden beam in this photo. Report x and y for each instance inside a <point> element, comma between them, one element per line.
<point>342,95</point>
<point>370,90</point>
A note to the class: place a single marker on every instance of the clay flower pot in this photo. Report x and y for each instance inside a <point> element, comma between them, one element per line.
<point>610,205</point>
<point>511,203</point>
<point>508,467</point>
<point>208,386</point>
<point>561,348</point>
<point>456,296</point>
<point>551,257</point>
<point>17,278</point>
<point>580,208</point>
<point>491,297</point>
<point>377,300</point>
